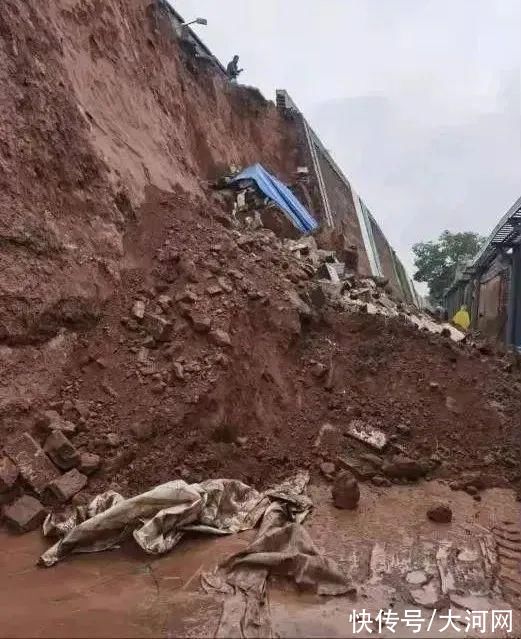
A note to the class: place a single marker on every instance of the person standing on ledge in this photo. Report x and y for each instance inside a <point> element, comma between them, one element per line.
<point>233,68</point>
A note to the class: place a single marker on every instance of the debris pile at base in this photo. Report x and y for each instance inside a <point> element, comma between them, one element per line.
<point>150,330</point>
<point>229,351</point>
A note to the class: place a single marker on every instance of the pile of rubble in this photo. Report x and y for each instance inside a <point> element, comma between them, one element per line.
<point>54,473</point>
<point>229,352</point>
<point>350,292</point>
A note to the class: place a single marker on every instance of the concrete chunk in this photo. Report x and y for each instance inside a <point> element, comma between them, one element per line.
<point>367,434</point>
<point>68,485</point>
<point>8,474</point>
<point>35,467</point>
<point>61,451</point>
<point>25,514</point>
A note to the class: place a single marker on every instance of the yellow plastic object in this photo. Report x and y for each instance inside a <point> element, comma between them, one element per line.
<point>462,318</point>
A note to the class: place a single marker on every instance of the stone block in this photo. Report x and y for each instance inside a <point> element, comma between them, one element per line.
<point>36,469</point>
<point>25,514</point>
<point>61,450</point>
<point>68,485</point>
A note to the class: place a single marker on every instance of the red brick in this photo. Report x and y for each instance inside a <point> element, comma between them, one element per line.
<point>36,469</point>
<point>25,514</point>
<point>61,451</point>
<point>68,485</point>
<point>8,474</point>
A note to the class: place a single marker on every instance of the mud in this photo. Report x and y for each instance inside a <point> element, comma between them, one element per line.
<point>124,594</point>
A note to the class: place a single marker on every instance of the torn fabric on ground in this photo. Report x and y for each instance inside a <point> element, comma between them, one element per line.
<point>159,518</point>
<point>282,547</point>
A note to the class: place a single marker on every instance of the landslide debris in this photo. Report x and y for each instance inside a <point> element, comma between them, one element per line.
<point>217,357</point>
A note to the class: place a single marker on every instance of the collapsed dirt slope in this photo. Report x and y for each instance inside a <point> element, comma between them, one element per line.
<point>178,344</point>
<point>98,103</point>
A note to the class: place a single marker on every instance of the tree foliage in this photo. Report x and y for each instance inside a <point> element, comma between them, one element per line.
<point>437,261</point>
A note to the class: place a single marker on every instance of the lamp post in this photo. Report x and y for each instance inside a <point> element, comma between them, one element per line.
<point>203,21</point>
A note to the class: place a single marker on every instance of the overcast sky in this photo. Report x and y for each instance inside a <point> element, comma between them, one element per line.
<point>419,101</point>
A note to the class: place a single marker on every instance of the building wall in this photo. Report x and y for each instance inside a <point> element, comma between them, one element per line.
<point>343,211</point>
<point>345,220</point>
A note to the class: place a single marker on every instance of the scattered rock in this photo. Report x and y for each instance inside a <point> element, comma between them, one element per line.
<point>328,469</point>
<point>178,370</point>
<point>68,485</point>
<point>113,439</point>
<point>298,304</point>
<point>429,596</point>
<point>471,490</point>
<point>165,302</point>
<point>220,337</point>
<point>8,474</point>
<point>89,463</point>
<point>378,480</point>
<point>417,578</point>
<point>187,296</point>
<point>200,323</point>
<point>50,421</point>
<point>402,467</point>
<point>142,430</point>
<point>326,430</point>
<point>61,450</point>
<point>345,491</point>
<point>224,284</point>
<point>403,429</point>
<point>214,289</point>
<point>138,309</point>
<point>434,385</point>
<point>241,441</point>
<point>25,514</point>
<point>158,327</point>
<point>36,469</point>
<point>319,370</point>
<point>374,460</point>
<point>441,514</point>
<point>367,434</point>
<point>359,468</point>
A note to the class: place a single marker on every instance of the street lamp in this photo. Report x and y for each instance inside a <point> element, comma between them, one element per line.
<point>196,21</point>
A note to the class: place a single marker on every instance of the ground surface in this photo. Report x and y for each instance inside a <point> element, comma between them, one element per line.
<point>126,594</point>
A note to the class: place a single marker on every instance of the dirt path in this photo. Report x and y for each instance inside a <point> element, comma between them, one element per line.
<point>126,594</point>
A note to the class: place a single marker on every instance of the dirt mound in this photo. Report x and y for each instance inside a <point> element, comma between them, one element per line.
<point>178,344</point>
<point>227,373</point>
<point>99,103</point>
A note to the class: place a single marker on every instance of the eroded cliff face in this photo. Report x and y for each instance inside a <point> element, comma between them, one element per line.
<point>98,103</point>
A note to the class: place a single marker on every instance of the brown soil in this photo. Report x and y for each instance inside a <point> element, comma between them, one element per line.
<point>263,387</point>
<point>108,137</point>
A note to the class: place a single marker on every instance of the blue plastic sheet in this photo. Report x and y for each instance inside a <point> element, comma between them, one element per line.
<point>275,190</point>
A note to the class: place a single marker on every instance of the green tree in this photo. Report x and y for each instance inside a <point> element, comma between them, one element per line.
<point>437,261</point>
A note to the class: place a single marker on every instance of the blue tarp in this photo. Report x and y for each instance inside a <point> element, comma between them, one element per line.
<point>275,190</point>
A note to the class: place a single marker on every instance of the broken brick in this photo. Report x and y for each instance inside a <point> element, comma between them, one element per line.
<point>200,323</point>
<point>25,514</point>
<point>221,338</point>
<point>50,420</point>
<point>61,450</point>
<point>138,309</point>
<point>68,484</point>
<point>36,469</point>
<point>89,463</point>
<point>8,474</point>
<point>158,327</point>
<point>213,289</point>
